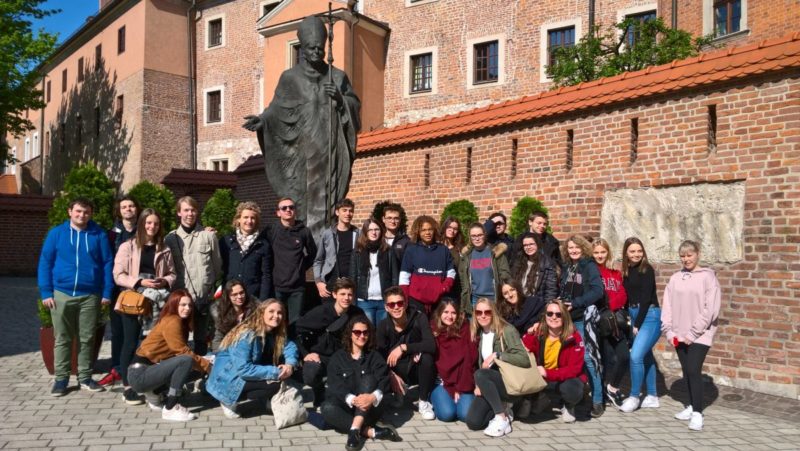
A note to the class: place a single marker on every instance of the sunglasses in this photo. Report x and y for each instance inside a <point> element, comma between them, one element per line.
<point>552,314</point>
<point>394,305</point>
<point>483,313</point>
<point>361,332</point>
<point>286,208</point>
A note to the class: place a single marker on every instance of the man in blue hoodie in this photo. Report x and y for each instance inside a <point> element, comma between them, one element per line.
<point>75,277</point>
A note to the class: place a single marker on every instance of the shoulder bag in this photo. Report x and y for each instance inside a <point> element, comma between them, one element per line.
<point>131,302</point>
<point>520,381</point>
<point>287,407</point>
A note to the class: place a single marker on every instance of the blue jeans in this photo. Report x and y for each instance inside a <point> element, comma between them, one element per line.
<point>448,410</point>
<point>643,364</point>
<point>373,309</point>
<point>595,381</point>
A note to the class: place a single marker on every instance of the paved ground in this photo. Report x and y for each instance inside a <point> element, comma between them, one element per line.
<point>31,419</point>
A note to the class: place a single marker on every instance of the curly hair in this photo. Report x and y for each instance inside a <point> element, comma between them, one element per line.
<point>252,206</point>
<point>417,226</point>
<point>580,241</point>
<point>347,336</point>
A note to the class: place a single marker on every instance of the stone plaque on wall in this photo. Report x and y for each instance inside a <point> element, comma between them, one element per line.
<point>662,218</point>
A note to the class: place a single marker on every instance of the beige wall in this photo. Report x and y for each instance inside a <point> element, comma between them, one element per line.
<point>166,40</point>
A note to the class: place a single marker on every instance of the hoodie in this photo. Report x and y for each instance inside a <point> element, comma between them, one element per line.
<point>691,306</point>
<point>76,262</point>
<point>427,272</point>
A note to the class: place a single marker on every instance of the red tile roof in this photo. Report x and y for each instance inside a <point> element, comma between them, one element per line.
<point>705,69</point>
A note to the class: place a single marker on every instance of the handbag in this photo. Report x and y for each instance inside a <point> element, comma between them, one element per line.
<point>520,381</point>
<point>287,407</point>
<point>131,302</point>
<point>613,323</point>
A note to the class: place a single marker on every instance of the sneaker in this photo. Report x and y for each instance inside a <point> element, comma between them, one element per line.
<point>696,422</point>
<point>524,409</point>
<point>615,397</point>
<point>568,414</point>
<point>685,414</point>
<point>59,387</point>
<point>91,385</point>
<point>426,410</point>
<point>630,404</point>
<point>354,440</point>
<point>386,432</point>
<point>131,398</point>
<point>229,411</point>
<point>650,402</point>
<point>541,403</point>
<point>110,379</point>
<point>177,413</point>
<point>598,410</point>
<point>154,401</point>
<point>498,427</point>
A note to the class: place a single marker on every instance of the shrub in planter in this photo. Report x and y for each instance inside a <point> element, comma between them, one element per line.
<point>518,222</point>
<point>464,211</point>
<point>219,211</point>
<point>158,198</point>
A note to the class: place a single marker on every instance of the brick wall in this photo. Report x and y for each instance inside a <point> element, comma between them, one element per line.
<point>23,226</point>
<point>252,186</point>
<point>166,144</point>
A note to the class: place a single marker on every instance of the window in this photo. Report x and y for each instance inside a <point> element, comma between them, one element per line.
<point>48,91</point>
<point>13,166</point>
<point>79,129</point>
<point>570,148</point>
<point>121,40</point>
<point>426,170</point>
<point>486,62</point>
<point>35,150</point>
<point>639,18</point>
<point>98,57</point>
<point>727,17</point>
<point>96,121</point>
<point>514,151</point>
<point>634,139</point>
<point>47,142</point>
<point>62,137</point>
<point>64,80</point>
<point>214,33</point>
<point>422,73</point>
<point>294,54</point>
<point>556,39</point>
<point>712,128</point>
<point>468,175</point>
<point>213,107</point>
<point>219,165</point>
<point>26,153</point>
<point>268,6</point>
<point>80,69</point>
<point>120,106</point>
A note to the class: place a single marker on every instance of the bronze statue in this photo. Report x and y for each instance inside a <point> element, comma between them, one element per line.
<point>308,132</point>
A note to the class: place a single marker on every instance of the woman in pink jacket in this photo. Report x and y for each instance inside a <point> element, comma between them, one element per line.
<point>689,320</point>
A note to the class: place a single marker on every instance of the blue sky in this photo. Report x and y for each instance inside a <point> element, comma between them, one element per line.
<point>72,16</point>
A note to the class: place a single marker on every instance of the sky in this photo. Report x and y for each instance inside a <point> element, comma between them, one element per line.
<point>72,16</point>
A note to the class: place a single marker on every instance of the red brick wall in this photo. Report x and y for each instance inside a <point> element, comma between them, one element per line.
<point>23,226</point>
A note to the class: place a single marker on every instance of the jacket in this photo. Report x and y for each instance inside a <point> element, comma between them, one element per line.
<point>550,247</point>
<point>345,374</point>
<point>388,271</point>
<point>511,351</point>
<point>76,262</point>
<point>587,276</point>
<point>401,241</point>
<point>253,268</point>
<point>320,329</point>
<point>427,272</point>
<point>691,306</point>
<point>126,265</point>
<point>242,362</point>
<point>293,251</point>
<point>455,360</point>
<point>546,287</point>
<point>417,335</point>
<point>118,235</point>
<point>616,296</point>
<point>500,271</point>
<point>325,261</point>
<point>221,329</point>
<point>197,262</point>
<point>570,357</point>
<point>168,339</point>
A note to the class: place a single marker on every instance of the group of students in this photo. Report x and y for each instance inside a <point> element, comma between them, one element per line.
<point>429,309</point>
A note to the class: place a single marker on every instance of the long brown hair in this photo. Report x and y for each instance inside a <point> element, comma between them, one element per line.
<point>255,323</point>
<point>506,309</point>
<point>347,336</point>
<point>363,241</point>
<point>626,263</point>
<point>438,328</point>
<point>458,240</point>
<point>228,318</point>
<point>171,308</point>
<point>497,325</point>
<point>568,328</point>
<point>141,234</point>
<point>519,265</point>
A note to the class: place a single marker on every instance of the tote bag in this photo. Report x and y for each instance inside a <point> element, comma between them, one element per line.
<point>520,381</point>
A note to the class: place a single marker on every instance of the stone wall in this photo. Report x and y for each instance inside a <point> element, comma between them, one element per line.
<point>23,227</point>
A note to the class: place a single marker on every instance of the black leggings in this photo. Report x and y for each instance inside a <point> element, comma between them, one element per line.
<point>692,357</point>
<point>313,374</point>
<point>490,402</point>
<point>259,389</point>
<point>131,331</point>
<point>570,390</point>
<point>616,359</point>
<point>339,415</point>
<point>422,373</point>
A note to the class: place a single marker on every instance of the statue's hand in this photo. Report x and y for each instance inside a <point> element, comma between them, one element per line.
<point>332,92</point>
<point>253,123</point>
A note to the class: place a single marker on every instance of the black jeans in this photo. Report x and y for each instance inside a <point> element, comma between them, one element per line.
<point>490,402</point>
<point>313,376</point>
<point>692,357</point>
<point>422,373</point>
<point>148,378</point>
<point>117,338</point>
<point>259,389</point>
<point>570,390</point>
<point>131,331</point>
<point>616,359</point>
<point>339,415</point>
<point>202,321</point>
<point>293,301</point>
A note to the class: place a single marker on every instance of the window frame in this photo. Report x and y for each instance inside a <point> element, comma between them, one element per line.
<point>226,161</point>
<point>709,22</point>
<point>407,75</point>
<point>80,70</point>
<point>291,60</point>
<point>121,40</point>
<point>98,57</point>
<point>472,44</point>
<point>264,4</point>
<point>223,31</point>
<point>64,80</point>
<point>206,110</point>
<point>544,41</point>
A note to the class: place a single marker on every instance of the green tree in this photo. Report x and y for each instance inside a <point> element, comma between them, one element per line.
<point>85,181</point>
<point>518,222</point>
<point>21,51</point>
<point>599,55</point>
<point>464,211</point>
<point>158,198</point>
<point>219,211</point>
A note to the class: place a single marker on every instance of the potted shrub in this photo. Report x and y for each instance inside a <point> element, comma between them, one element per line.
<point>47,340</point>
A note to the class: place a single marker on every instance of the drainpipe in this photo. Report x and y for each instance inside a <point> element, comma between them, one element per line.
<point>42,137</point>
<point>192,112</point>
<point>591,17</point>
<point>674,14</point>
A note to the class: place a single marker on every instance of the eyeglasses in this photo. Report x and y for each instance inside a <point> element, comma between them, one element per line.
<point>286,208</point>
<point>478,236</point>
<point>361,332</point>
<point>394,305</point>
<point>454,229</point>
<point>483,313</point>
<point>391,218</point>
<point>529,245</point>
<point>552,314</point>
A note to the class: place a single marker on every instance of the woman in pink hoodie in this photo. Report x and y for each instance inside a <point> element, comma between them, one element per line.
<point>689,320</point>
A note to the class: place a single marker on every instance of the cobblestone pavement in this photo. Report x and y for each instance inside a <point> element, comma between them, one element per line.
<point>31,419</point>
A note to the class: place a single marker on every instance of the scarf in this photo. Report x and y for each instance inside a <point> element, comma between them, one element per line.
<point>245,241</point>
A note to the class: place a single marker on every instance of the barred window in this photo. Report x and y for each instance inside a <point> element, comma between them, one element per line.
<point>422,73</point>
<point>486,64</point>
<point>556,39</point>
<point>215,32</point>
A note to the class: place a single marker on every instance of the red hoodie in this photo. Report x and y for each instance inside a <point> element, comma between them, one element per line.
<point>612,281</point>
<point>455,360</point>
<point>570,357</point>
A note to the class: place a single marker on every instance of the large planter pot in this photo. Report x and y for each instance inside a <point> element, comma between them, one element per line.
<point>47,342</point>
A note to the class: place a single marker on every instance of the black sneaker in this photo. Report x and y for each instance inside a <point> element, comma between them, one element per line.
<point>131,397</point>
<point>354,440</point>
<point>616,398</point>
<point>598,410</point>
<point>91,385</point>
<point>59,388</point>
<point>387,432</point>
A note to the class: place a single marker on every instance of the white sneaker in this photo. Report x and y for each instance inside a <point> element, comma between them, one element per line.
<point>630,404</point>
<point>498,427</point>
<point>568,414</point>
<point>524,410</point>
<point>650,402</point>
<point>685,414</point>
<point>229,412</point>
<point>696,422</point>
<point>426,410</point>
<point>177,413</point>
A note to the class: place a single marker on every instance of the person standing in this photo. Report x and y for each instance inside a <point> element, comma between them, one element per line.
<point>495,228</point>
<point>692,301</point>
<point>427,270</point>
<point>198,265</point>
<point>481,269</point>
<point>293,251</point>
<point>373,269</point>
<point>395,236</point>
<point>247,254</point>
<point>335,249</point>
<point>549,245</point>
<point>75,277</point>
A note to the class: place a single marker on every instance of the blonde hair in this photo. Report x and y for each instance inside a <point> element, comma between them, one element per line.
<point>255,323</point>
<point>252,206</point>
<point>497,325</point>
<point>567,328</point>
<point>582,242</point>
<point>610,257</point>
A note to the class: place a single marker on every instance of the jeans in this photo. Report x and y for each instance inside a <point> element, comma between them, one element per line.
<point>491,401</point>
<point>422,373</point>
<point>615,359</point>
<point>594,376</point>
<point>570,391</point>
<point>446,408</point>
<point>643,363</point>
<point>692,357</point>
<point>293,301</point>
<point>374,310</point>
<point>202,321</point>
<point>148,378</point>
<point>115,323</point>
<point>131,330</point>
<point>74,317</point>
<point>339,415</point>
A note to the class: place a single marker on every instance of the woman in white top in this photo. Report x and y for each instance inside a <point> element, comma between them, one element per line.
<point>373,268</point>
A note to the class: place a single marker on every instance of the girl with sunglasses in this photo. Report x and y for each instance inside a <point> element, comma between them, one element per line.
<point>497,340</point>
<point>559,356</point>
<point>358,379</point>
